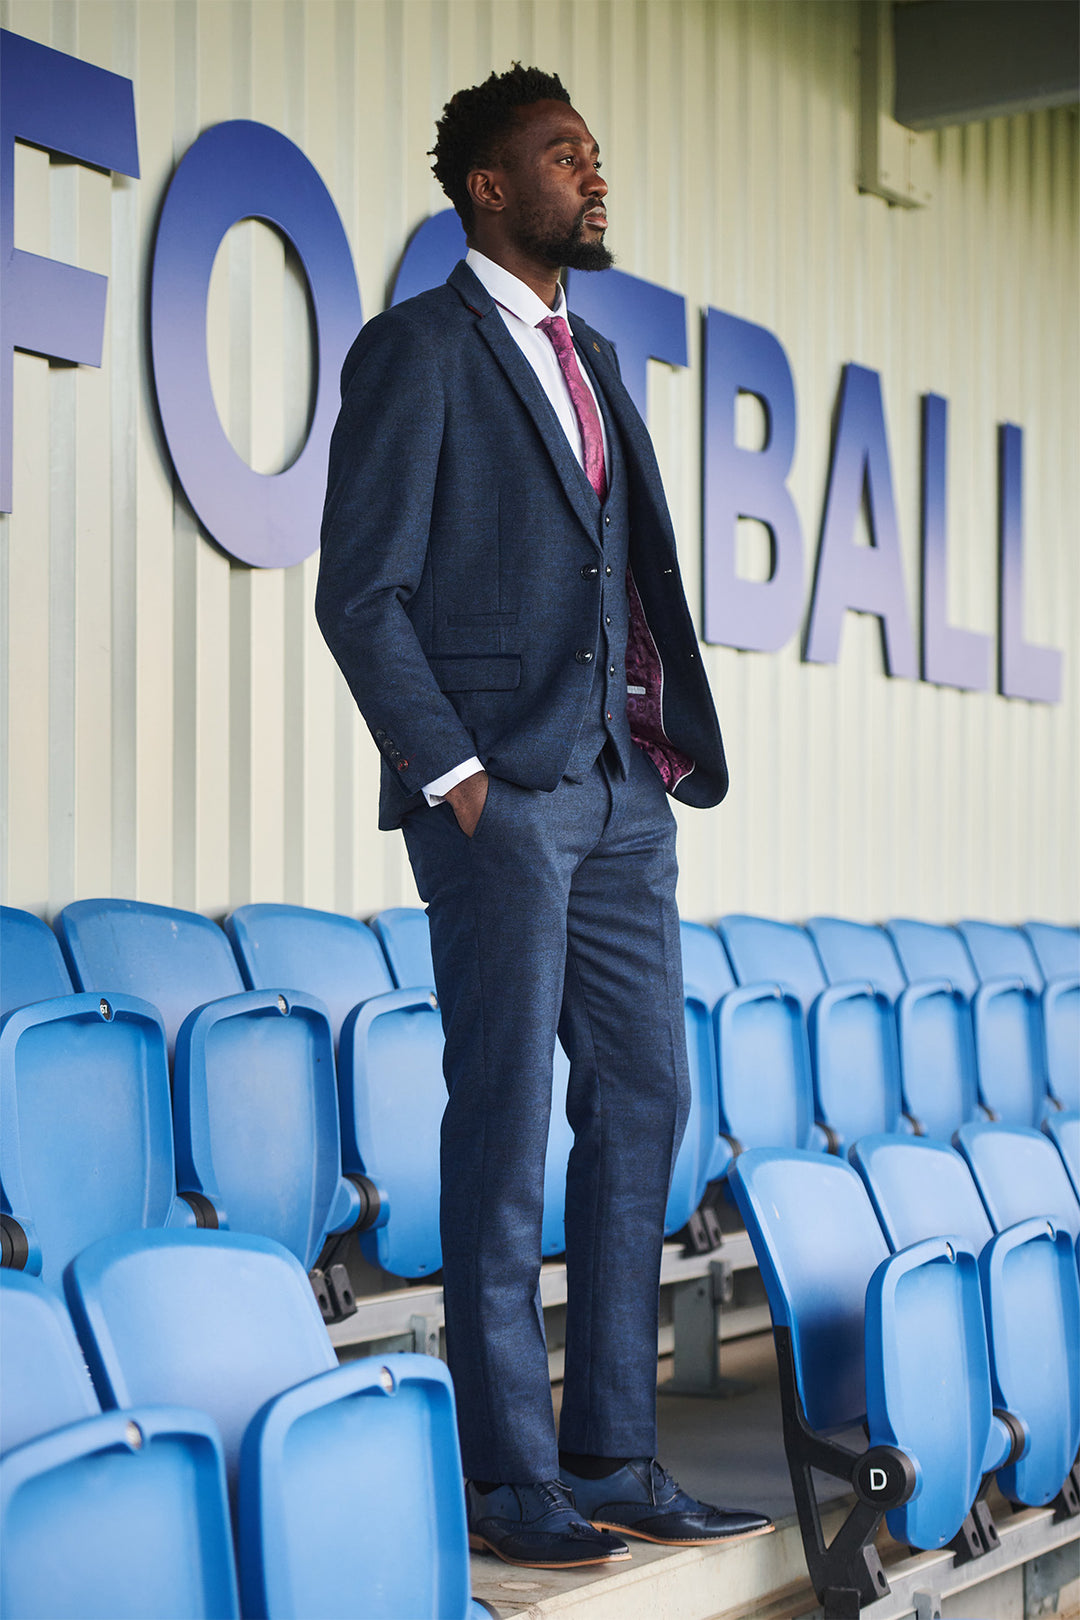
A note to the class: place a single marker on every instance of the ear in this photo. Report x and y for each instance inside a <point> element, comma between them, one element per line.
<point>486,191</point>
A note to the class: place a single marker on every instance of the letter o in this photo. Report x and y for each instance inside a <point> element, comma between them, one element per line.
<point>243,170</point>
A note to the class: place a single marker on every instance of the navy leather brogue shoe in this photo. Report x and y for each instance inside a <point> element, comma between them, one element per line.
<point>642,1499</point>
<point>539,1526</point>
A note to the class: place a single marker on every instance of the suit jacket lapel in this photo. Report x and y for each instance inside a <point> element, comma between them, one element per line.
<point>522,379</point>
<point>610,385</point>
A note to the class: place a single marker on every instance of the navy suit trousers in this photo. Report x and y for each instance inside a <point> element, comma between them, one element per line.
<point>557,916</point>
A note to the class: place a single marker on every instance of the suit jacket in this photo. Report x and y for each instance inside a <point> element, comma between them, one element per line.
<point>459,580</point>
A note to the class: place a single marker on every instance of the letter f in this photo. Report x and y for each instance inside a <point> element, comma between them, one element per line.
<point>57,102</point>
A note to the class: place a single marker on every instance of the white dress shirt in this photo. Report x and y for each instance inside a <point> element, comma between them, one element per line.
<point>522,311</point>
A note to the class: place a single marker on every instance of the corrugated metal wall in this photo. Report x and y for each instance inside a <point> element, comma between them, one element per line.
<point>173,727</point>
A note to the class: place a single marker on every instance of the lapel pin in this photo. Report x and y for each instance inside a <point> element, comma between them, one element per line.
<point>596,346</point>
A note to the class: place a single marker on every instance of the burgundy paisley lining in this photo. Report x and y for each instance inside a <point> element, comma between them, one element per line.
<point>645,711</point>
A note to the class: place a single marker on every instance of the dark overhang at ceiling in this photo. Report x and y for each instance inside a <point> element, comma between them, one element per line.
<point>962,60</point>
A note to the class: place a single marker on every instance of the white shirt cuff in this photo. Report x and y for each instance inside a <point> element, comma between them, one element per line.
<point>435,792</point>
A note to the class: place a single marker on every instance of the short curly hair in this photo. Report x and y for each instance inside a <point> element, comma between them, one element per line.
<point>475,122</point>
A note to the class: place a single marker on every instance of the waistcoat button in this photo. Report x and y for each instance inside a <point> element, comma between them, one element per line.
<point>607,571</point>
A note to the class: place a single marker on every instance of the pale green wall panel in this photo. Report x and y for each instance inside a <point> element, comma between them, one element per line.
<point>172,725</point>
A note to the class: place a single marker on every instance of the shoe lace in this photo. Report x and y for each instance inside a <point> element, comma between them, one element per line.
<point>554,1495</point>
<point>661,1482</point>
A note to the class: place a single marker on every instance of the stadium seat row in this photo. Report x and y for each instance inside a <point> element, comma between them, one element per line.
<point>216,1402</point>
<point>932,1297</point>
<point>269,1139</point>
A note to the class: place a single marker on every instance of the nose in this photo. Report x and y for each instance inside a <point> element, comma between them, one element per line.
<point>595,186</point>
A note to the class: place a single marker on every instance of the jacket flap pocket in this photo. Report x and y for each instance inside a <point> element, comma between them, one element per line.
<point>492,673</point>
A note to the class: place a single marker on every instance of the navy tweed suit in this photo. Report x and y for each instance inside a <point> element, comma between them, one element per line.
<point>474,592</point>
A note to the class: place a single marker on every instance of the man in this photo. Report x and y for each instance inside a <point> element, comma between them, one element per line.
<point>500,587</point>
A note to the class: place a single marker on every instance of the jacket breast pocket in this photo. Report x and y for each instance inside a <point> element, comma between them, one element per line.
<point>498,620</point>
<point>494,672</point>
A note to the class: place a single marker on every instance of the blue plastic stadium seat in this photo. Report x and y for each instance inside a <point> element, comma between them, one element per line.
<point>896,1340</point>
<point>392,1101</point>
<point>766,1083</point>
<point>405,937</point>
<point>1057,949</point>
<point>766,952</point>
<point>103,1516</point>
<point>176,960</point>
<point>1061,1038</point>
<point>856,1062</point>
<point>335,958</point>
<point>403,933</point>
<point>851,950</point>
<point>1031,1293</point>
<point>937,1058</point>
<point>1010,1052</point>
<point>32,965</point>
<point>932,951</point>
<point>86,1139</point>
<point>1063,1129</point>
<point>256,1115</point>
<point>704,1154</point>
<point>348,1479</point>
<point>1020,1176</point>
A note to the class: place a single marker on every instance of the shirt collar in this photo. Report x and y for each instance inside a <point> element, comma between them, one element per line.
<point>511,293</point>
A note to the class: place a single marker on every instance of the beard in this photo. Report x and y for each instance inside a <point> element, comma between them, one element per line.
<point>563,250</point>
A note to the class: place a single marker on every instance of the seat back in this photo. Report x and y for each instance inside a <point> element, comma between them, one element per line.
<point>707,972</point>
<point>766,952</point>
<point>403,933</point>
<point>855,951</point>
<point>335,958</point>
<point>1020,1176</point>
<point>45,1383</point>
<point>1057,949</point>
<point>937,1058</point>
<point>376,1471</point>
<point>818,1243</point>
<point>921,1189</point>
<point>212,1320</point>
<point>392,1100</point>
<point>1010,1052</point>
<point>31,963</point>
<point>1061,1034</point>
<point>766,1091</point>
<point>177,960</point>
<point>256,1112</point>
<point>999,952</point>
<point>932,951</point>
<point>86,1141</point>
<point>856,1061</point>
<point>121,1517</point>
<point>936,1406</point>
